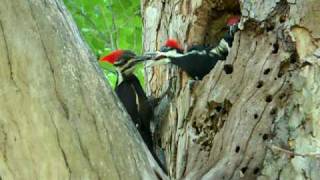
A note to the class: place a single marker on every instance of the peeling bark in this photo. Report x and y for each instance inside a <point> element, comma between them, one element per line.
<point>58,119</point>
<point>229,125</point>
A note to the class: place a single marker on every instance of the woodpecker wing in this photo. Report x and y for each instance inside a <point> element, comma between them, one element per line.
<point>145,111</point>
<point>196,64</point>
<point>127,96</point>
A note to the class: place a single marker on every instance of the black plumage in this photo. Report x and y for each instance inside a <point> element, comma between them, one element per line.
<point>137,105</point>
<point>196,64</point>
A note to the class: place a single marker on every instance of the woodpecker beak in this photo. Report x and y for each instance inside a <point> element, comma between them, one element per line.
<point>156,55</point>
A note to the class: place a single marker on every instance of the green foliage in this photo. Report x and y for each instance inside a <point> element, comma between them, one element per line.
<point>107,25</point>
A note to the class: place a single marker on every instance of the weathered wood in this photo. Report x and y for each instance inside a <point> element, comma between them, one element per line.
<point>58,118</point>
<point>228,126</point>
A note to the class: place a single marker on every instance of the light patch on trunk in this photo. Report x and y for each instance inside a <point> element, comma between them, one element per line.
<point>304,41</point>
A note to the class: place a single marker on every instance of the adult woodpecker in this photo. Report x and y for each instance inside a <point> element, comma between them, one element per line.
<point>131,93</point>
<point>197,62</point>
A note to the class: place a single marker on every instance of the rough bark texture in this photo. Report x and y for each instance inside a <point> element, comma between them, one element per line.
<point>58,119</point>
<point>259,122</point>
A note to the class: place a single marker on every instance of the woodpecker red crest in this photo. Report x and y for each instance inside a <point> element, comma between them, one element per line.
<point>233,20</point>
<point>172,43</point>
<point>113,56</point>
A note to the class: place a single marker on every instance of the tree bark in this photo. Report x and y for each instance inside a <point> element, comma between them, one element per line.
<point>261,120</point>
<point>58,119</point>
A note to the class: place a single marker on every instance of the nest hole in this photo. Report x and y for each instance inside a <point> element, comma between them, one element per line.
<point>216,17</point>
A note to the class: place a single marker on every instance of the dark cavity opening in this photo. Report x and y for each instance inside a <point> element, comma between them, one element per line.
<point>282,19</point>
<point>275,48</point>
<point>228,68</point>
<point>244,169</point>
<point>265,137</point>
<point>218,108</point>
<point>273,111</point>
<point>259,84</point>
<point>270,27</point>
<point>256,170</point>
<point>267,71</point>
<point>237,149</point>
<point>294,57</point>
<point>269,98</point>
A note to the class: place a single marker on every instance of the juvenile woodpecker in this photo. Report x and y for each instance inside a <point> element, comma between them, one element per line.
<point>131,93</point>
<point>197,62</point>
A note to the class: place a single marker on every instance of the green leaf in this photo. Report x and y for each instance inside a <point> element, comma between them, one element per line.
<point>104,21</point>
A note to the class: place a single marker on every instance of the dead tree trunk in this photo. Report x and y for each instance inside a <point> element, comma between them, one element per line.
<point>58,119</point>
<point>260,118</point>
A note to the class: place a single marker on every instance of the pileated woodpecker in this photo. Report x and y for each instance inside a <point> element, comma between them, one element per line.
<point>197,62</point>
<point>131,93</point>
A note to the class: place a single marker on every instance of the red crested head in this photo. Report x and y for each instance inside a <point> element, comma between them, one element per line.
<point>172,43</point>
<point>113,56</point>
<point>233,20</point>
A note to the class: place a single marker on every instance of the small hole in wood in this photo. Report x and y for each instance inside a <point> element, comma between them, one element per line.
<point>269,98</point>
<point>197,131</point>
<point>256,170</point>
<point>275,48</point>
<point>270,27</point>
<point>228,68</point>
<point>237,149</point>
<point>194,124</point>
<point>259,84</point>
<point>265,137</point>
<point>244,169</point>
<point>282,95</point>
<point>273,111</point>
<point>267,71</point>
<point>218,108</point>
<point>255,116</point>
<point>281,72</point>
<point>294,57</point>
<point>282,19</point>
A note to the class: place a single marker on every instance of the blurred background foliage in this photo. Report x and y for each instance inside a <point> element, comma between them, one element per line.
<point>107,25</point>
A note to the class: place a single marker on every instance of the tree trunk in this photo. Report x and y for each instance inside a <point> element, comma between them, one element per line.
<point>58,119</point>
<point>259,119</point>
